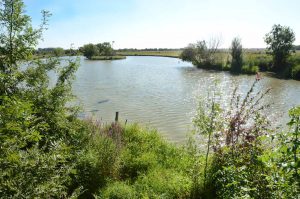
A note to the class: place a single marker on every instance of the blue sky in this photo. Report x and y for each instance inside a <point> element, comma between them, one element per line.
<point>162,23</point>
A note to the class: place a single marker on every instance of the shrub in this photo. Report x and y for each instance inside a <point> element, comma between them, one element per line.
<point>262,60</point>
<point>163,183</point>
<point>97,163</point>
<point>203,54</point>
<point>118,190</point>
<point>296,72</point>
<point>283,162</point>
<point>188,53</point>
<point>233,134</point>
<point>250,69</point>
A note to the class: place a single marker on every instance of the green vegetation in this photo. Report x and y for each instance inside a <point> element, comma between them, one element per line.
<point>279,57</point>
<point>280,45</point>
<point>146,52</point>
<point>101,51</point>
<point>48,152</point>
<point>236,52</point>
<point>115,57</point>
<point>235,60</point>
<point>53,52</point>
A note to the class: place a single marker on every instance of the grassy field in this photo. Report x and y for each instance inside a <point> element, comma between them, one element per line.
<point>170,53</point>
<point>107,57</point>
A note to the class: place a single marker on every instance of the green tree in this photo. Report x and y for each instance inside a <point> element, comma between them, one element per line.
<point>203,53</point>
<point>18,40</point>
<point>58,52</point>
<point>90,50</point>
<point>188,53</point>
<point>280,45</point>
<point>236,52</point>
<point>105,49</point>
<point>37,129</point>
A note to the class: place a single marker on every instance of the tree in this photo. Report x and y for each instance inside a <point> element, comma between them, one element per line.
<point>90,50</point>
<point>280,45</point>
<point>18,40</point>
<point>105,49</point>
<point>36,126</point>
<point>202,53</point>
<point>236,51</point>
<point>188,53</point>
<point>58,52</point>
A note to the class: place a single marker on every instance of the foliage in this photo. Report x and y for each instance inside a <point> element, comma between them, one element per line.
<point>115,57</point>
<point>119,190</point>
<point>290,148</point>
<point>97,163</point>
<point>58,52</point>
<point>160,53</point>
<point>101,49</point>
<point>207,123</point>
<point>146,150</point>
<point>38,131</point>
<point>89,50</point>
<point>283,161</point>
<point>163,183</point>
<point>296,72</point>
<point>260,59</point>
<point>236,51</point>
<point>188,53</point>
<point>249,69</point>
<point>203,54</point>
<point>236,146</point>
<point>280,45</point>
<point>105,49</point>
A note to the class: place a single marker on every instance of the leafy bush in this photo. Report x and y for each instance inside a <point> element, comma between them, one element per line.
<point>233,134</point>
<point>38,131</point>
<point>296,72</point>
<point>98,159</point>
<point>188,53</point>
<point>96,165</point>
<point>163,183</point>
<point>118,190</point>
<point>250,69</point>
<point>203,54</point>
<point>145,150</point>
<point>294,62</point>
<point>283,162</point>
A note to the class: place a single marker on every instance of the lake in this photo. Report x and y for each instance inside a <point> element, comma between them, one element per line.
<point>162,93</point>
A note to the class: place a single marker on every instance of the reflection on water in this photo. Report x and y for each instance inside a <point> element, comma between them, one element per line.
<point>162,92</point>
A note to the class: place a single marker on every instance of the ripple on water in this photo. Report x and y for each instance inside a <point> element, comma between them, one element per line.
<point>163,92</point>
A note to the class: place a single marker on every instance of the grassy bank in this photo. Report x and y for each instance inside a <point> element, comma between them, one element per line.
<point>253,62</point>
<point>170,53</point>
<point>117,57</point>
<point>92,160</point>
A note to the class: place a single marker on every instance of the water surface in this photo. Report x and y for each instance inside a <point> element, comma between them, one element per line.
<point>162,92</point>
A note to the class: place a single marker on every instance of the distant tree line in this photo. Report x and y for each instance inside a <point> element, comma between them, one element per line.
<point>297,47</point>
<point>56,52</point>
<point>149,49</point>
